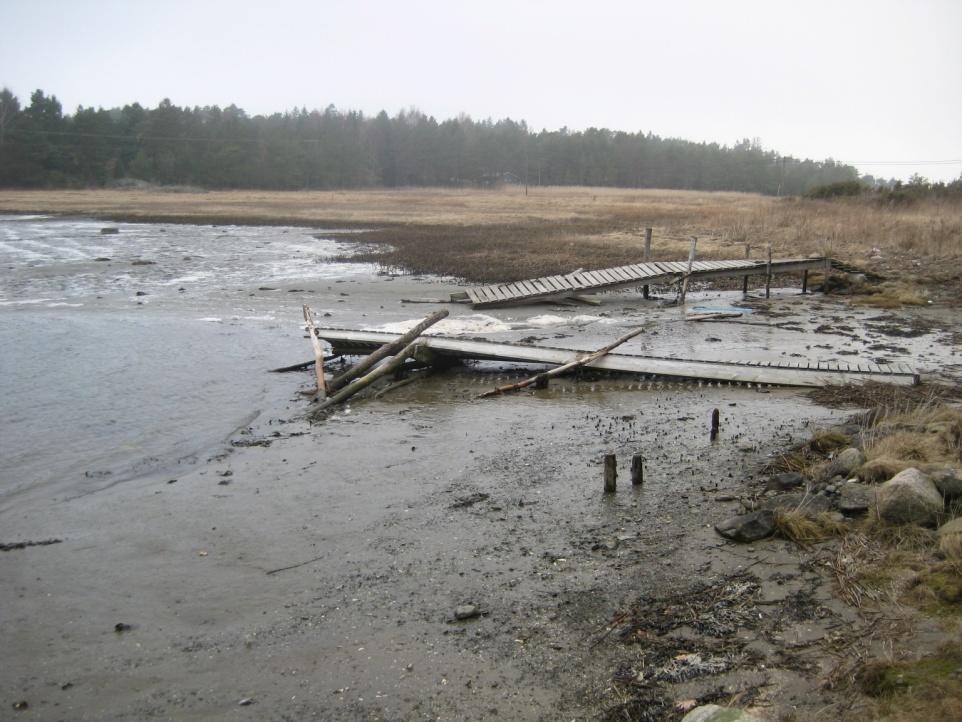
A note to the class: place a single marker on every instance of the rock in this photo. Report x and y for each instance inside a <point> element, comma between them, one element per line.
<point>798,500</point>
<point>947,480</point>
<point>246,702</point>
<point>785,481</point>
<point>856,498</point>
<point>109,231</point>
<point>844,463</point>
<point>714,713</point>
<point>143,263</point>
<point>141,293</point>
<point>466,611</point>
<point>748,527</point>
<point>950,539</point>
<point>909,497</point>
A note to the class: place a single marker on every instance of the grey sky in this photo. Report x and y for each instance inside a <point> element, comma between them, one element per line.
<point>856,81</point>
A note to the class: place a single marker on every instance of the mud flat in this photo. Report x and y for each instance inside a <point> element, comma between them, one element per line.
<point>318,572</point>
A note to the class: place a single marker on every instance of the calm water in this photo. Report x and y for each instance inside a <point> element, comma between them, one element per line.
<point>144,362</point>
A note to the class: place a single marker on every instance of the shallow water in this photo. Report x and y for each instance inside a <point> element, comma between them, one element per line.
<point>142,360</point>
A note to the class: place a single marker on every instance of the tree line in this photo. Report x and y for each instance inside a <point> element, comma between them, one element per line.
<point>213,147</point>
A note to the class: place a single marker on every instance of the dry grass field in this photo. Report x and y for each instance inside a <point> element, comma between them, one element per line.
<point>503,234</point>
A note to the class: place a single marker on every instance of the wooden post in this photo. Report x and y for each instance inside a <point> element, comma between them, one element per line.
<point>714,424</point>
<point>768,273</point>
<point>805,281</point>
<point>644,290</point>
<point>318,352</point>
<point>637,469</point>
<point>611,473</point>
<point>691,261</point>
<point>748,253</point>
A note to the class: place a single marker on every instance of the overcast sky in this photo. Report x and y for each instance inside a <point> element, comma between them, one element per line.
<point>862,82</point>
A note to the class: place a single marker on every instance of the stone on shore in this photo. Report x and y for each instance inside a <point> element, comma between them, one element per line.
<point>748,527</point>
<point>714,713</point>
<point>909,497</point>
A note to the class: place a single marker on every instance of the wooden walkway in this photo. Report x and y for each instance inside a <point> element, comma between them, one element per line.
<point>780,373</point>
<point>553,288</point>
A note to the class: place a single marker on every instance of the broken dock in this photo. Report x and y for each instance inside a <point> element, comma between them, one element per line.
<point>571,285</point>
<point>781,373</point>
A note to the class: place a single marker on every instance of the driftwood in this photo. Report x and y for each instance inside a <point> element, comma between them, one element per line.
<point>714,316</point>
<point>304,365</point>
<point>318,352</point>
<point>564,368</point>
<point>386,350</point>
<point>372,376</point>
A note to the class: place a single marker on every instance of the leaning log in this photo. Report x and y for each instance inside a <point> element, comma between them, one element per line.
<point>564,368</point>
<point>386,350</point>
<point>366,380</point>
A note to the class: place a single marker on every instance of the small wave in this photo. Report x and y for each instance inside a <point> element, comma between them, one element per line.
<point>64,303</point>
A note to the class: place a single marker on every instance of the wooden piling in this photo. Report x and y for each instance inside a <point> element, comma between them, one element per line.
<point>748,254</point>
<point>644,289</point>
<point>318,352</point>
<point>805,281</point>
<point>637,469</point>
<point>691,262</point>
<point>768,273</point>
<point>611,473</point>
<point>715,417</point>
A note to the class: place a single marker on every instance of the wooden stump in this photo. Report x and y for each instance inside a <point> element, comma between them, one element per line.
<point>714,424</point>
<point>611,473</point>
<point>637,469</point>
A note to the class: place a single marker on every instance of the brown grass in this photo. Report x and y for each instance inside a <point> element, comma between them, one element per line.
<point>803,528</point>
<point>504,234</point>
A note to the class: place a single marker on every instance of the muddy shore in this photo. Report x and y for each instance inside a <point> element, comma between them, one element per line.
<point>314,572</point>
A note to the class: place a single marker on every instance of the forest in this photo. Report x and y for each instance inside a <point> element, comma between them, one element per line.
<point>225,148</point>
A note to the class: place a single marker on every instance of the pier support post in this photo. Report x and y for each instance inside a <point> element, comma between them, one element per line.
<point>768,273</point>
<point>691,261</point>
<point>714,424</point>
<point>748,253</point>
<point>611,473</point>
<point>805,281</point>
<point>637,469</point>
<point>644,290</point>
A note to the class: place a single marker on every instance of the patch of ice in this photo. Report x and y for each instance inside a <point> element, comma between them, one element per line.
<point>62,303</point>
<point>474,323</point>
<point>211,319</point>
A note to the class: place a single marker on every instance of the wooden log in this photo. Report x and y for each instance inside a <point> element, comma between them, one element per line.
<point>366,380</point>
<point>647,258</point>
<point>768,273</point>
<point>386,350</point>
<point>318,352</point>
<point>637,469</point>
<point>691,261</point>
<point>714,424</point>
<point>748,253</point>
<point>611,473</point>
<point>584,361</point>
<point>304,364</point>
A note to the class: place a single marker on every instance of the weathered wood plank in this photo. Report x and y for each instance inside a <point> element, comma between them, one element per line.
<point>353,341</point>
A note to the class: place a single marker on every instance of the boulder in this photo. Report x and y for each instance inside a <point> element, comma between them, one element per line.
<point>950,539</point>
<point>785,481</point>
<point>856,498</point>
<point>798,501</point>
<point>909,497</point>
<point>714,713</point>
<point>748,527</point>
<point>947,480</point>
<point>845,463</point>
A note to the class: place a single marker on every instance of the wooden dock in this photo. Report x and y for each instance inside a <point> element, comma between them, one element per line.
<point>780,373</point>
<point>556,288</point>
